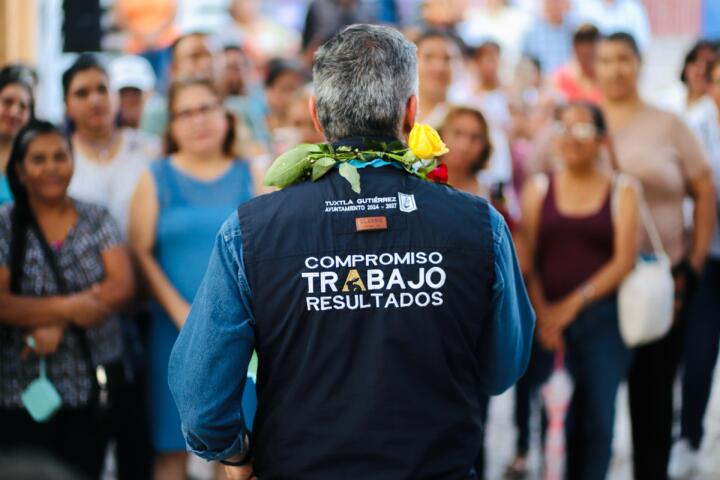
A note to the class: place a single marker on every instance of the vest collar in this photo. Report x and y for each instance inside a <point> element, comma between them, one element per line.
<point>359,142</point>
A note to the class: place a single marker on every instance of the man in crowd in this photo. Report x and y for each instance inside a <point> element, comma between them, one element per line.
<point>352,382</point>
<point>132,77</point>
<point>549,37</point>
<point>192,55</point>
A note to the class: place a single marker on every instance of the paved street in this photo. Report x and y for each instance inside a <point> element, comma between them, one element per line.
<point>501,437</point>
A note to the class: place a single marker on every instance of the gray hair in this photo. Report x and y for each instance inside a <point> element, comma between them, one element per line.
<point>363,78</point>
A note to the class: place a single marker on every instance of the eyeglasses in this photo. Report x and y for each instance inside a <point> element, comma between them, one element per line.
<point>202,111</point>
<point>579,131</point>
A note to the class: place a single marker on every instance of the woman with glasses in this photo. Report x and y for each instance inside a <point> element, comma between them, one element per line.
<point>579,230</point>
<point>177,210</point>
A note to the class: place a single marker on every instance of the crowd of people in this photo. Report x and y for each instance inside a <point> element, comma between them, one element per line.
<point>107,221</point>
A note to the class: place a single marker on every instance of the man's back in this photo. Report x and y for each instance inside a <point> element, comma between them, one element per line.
<point>368,325</point>
<point>380,319</point>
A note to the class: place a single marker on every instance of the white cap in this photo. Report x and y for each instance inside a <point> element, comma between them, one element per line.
<point>131,71</point>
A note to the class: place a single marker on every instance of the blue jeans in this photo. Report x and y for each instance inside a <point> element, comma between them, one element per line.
<point>598,360</point>
<point>700,354</point>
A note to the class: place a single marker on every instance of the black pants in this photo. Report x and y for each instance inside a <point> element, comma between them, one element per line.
<point>71,436</point>
<point>480,459</point>
<point>700,353</point>
<point>651,403</point>
<point>129,428</point>
<point>650,385</point>
<point>130,425</point>
<point>527,393</point>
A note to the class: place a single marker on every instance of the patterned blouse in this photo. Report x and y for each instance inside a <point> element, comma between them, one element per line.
<point>80,261</point>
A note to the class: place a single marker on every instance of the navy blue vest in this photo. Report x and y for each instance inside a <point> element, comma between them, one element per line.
<point>368,313</point>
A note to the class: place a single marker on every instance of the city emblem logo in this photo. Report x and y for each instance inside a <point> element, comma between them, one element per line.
<point>407,202</point>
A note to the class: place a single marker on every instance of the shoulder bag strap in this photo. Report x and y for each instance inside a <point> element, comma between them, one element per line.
<point>97,373</point>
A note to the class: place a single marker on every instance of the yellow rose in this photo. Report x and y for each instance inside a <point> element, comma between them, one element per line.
<point>425,142</point>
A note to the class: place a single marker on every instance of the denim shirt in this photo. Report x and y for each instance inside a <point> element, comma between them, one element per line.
<point>212,353</point>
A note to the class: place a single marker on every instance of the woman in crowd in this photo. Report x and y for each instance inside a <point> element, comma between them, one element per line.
<point>703,329</point>
<point>579,248</point>
<point>108,162</point>
<point>658,149</point>
<point>699,109</point>
<point>467,136</point>
<point>64,274</point>
<point>16,109</point>
<point>177,209</point>
<point>437,54</point>
<point>108,159</point>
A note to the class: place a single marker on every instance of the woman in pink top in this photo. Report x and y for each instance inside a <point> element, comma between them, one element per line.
<point>658,149</point>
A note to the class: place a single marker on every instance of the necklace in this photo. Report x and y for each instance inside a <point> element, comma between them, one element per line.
<point>100,150</point>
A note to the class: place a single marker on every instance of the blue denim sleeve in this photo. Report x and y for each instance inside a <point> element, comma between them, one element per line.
<point>508,331</point>
<point>211,355</point>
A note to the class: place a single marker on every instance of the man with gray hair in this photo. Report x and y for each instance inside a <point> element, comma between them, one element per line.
<point>379,318</point>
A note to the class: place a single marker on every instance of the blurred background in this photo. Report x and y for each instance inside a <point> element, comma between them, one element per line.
<point>48,33</point>
<point>515,60</point>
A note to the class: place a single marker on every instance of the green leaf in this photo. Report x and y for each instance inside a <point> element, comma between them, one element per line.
<point>375,145</point>
<point>427,167</point>
<point>350,173</point>
<point>396,145</point>
<point>326,148</point>
<point>290,167</point>
<point>392,156</point>
<point>321,167</point>
<point>409,157</point>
